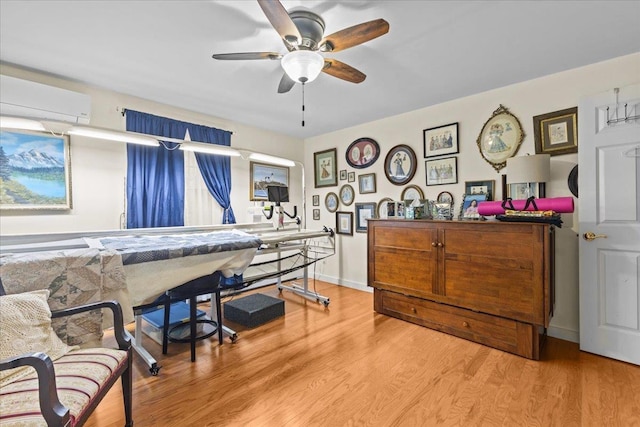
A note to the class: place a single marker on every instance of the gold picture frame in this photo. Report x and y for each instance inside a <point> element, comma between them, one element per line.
<point>40,176</point>
<point>556,133</point>
<point>500,138</point>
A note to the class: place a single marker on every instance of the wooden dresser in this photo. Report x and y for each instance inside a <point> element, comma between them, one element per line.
<point>486,281</point>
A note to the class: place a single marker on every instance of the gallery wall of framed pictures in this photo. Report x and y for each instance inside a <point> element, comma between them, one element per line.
<point>499,138</point>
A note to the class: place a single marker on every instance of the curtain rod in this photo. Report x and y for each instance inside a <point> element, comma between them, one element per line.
<point>124,111</point>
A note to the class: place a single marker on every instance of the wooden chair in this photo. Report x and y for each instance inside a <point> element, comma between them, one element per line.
<point>66,391</point>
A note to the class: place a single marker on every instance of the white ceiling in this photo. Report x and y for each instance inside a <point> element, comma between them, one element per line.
<point>435,51</point>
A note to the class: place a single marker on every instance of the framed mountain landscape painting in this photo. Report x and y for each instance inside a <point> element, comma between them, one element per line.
<point>35,171</point>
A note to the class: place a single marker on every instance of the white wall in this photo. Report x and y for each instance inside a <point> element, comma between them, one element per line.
<point>524,100</point>
<point>99,167</point>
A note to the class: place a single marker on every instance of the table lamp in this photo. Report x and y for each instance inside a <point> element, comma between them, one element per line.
<point>530,170</point>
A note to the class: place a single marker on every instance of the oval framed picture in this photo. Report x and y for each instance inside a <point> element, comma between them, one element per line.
<point>331,202</point>
<point>445,197</point>
<point>347,194</point>
<point>412,192</point>
<point>382,207</point>
<point>362,153</point>
<point>500,138</point>
<point>400,164</point>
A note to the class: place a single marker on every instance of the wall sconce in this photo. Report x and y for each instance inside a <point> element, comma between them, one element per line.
<point>529,170</point>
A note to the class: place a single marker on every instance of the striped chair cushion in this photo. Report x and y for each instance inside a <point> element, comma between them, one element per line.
<point>80,374</point>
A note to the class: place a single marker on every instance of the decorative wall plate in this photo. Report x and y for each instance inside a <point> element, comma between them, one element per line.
<point>500,138</point>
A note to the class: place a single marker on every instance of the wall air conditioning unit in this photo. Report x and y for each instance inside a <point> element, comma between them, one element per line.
<point>24,98</point>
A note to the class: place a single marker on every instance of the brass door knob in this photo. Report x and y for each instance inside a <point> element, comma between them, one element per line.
<point>589,236</point>
<point>440,245</point>
<point>465,324</point>
<point>434,244</point>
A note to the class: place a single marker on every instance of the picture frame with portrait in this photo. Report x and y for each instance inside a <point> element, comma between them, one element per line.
<point>441,140</point>
<point>500,138</point>
<point>469,206</point>
<point>400,165</point>
<point>316,214</point>
<point>351,177</point>
<point>556,133</point>
<point>325,168</point>
<point>362,153</point>
<point>315,200</point>
<point>344,223</point>
<point>343,175</point>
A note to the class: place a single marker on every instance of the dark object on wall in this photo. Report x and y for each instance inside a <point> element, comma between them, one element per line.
<point>556,133</point>
<point>253,310</point>
<point>400,164</point>
<point>573,181</point>
<point>278,194</point>
<point>362,153</point>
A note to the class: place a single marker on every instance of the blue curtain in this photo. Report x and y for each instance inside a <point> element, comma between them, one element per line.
<point>155,175</point>
<point>215,170</point>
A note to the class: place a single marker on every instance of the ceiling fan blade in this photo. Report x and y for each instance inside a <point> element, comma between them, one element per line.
<point>281,21</point>
<point>248,55</point>
<point>343,71</point>
<point>353,36</point>
<point>286,83</point>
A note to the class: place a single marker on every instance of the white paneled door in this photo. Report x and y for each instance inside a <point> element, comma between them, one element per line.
<point>609,209</point>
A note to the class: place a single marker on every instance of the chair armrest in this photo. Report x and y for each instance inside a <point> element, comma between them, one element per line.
<point>52,410</point>
<point>123,339</point>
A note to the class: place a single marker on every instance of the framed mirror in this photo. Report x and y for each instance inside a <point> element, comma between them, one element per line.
<point>500,138</point>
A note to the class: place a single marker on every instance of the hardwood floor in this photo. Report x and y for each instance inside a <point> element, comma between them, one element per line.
<point>347,365</point>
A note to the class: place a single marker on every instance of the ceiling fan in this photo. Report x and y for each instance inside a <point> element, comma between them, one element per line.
<point>302,32</point>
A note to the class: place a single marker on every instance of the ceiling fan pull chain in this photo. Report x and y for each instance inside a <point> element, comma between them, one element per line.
<point>302,104</point>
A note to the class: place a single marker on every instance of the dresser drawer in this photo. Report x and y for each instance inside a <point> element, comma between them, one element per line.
<point>504,334</point>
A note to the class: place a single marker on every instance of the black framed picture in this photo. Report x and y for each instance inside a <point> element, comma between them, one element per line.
<point>480,187</point>
<point>442,171</point>
<point>364,212</point>
<point>400,165</point>
<point>344,223</point>
<point>362,153</point>
<point>441,140</point>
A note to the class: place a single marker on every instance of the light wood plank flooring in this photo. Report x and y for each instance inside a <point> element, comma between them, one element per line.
<point>346,366</point>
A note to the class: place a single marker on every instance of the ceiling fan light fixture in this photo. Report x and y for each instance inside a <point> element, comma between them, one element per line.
<point>302,66</point>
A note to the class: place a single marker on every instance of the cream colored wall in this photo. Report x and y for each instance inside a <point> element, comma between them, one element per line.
<point>525,100</point>
<point>99,167</point>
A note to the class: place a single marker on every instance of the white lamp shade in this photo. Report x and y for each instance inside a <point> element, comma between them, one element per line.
<point>302,65</point>
<point>525,169</point>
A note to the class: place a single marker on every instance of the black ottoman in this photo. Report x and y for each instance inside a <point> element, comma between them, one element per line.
<point>253,310</point>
